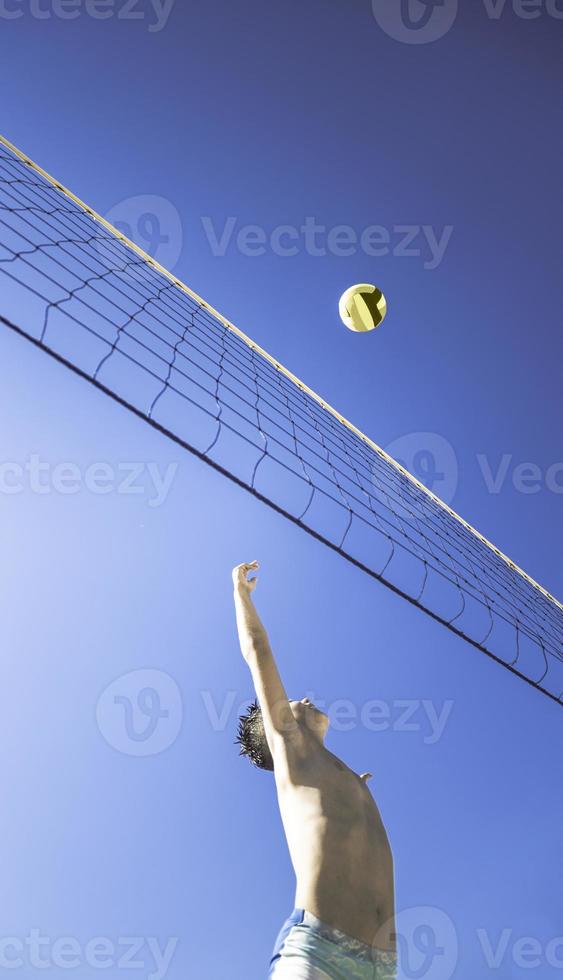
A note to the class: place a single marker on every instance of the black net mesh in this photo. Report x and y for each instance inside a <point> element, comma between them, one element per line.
<point>87,298</point>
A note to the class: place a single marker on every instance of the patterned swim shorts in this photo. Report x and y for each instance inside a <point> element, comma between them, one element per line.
<point>308,949</point>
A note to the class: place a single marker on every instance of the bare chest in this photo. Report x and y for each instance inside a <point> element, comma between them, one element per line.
<point>331,798</point>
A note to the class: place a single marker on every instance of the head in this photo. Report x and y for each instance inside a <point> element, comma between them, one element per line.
<point>252,738</point>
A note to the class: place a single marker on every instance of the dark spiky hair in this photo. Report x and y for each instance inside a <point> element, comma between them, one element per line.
<point>252,738</point>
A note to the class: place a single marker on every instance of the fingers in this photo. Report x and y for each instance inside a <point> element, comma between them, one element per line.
<point>247,566</point>
<point>241,571</point>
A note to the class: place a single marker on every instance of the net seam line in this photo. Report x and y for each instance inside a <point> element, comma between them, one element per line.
<point>278,366</point>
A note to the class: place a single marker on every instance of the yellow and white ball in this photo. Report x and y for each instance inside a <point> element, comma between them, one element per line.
<point>362,307</point>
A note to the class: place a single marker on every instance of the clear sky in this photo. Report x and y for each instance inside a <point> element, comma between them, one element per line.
<point>284,117</point>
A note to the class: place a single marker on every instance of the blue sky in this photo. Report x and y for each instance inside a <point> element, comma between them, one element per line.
<point>232,116</point>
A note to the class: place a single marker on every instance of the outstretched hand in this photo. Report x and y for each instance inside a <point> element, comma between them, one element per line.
<point>241,581</point>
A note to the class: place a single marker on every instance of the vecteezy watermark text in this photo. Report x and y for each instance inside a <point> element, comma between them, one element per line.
<point>155,12</point>
<point>412,715</point>
<point>426,21</point>
<point>41,477</point>
<point>525,477</point>
<point>432,460</point>
<point>318,240</point>
<point>101,953</point>
<point>526,952</point>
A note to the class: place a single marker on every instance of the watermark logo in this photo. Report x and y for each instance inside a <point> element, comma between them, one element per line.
<point>415,21</point>
<point>425,21</point>
<point>140,713</point>
<point>152,223</point>
<point>427,944</point>
<point>431,459</point>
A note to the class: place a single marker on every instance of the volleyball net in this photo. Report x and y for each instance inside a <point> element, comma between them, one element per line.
<point>77,288</point>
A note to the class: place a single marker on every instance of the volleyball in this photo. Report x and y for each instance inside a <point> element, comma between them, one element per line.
<point>362,307</point>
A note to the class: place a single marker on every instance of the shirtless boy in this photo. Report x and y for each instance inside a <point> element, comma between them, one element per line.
<point>342,925</point>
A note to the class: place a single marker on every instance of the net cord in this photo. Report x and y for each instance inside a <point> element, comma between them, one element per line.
<point>280,368</point>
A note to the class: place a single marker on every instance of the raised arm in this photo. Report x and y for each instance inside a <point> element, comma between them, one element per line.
<point>279,723</point>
